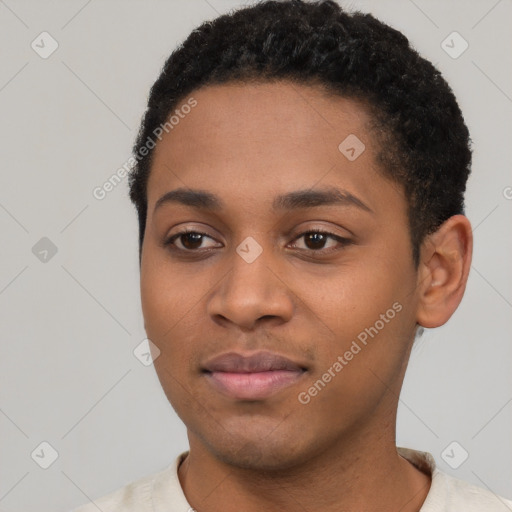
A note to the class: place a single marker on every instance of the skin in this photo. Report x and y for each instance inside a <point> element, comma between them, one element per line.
<point>246,144</point>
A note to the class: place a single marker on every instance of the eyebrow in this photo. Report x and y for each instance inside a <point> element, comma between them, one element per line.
<point>308,198</point>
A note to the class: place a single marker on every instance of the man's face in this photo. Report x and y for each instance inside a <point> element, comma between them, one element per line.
<point>258,286</point>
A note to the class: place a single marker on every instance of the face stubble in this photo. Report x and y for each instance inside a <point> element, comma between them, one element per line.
<point>247,144</point>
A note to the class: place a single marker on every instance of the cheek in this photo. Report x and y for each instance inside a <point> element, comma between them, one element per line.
<point>173,306</point>
<point>168,296</point>
<point>352,299</point>
<point>166,310</point>
<point>167,325</point>
<point>366,313</point>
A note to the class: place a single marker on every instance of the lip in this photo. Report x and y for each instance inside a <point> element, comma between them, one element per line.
<point>252,377</point>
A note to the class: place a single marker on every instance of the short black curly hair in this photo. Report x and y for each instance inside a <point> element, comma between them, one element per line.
<point>424,144</point>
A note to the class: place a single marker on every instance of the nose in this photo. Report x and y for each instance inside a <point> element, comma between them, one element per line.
<point>251,293</point>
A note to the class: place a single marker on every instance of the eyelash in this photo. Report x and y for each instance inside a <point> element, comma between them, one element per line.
<point>343,241</point>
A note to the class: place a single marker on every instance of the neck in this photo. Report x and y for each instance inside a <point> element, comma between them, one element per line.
<point>362,472</point>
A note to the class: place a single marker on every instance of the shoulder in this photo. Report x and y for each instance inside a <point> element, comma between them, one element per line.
<point>449,494</point>
<point>135,496</point>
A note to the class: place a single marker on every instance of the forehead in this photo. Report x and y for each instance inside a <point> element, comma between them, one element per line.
<point>253,140</point>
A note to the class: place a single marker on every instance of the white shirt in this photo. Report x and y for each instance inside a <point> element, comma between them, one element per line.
<point>162,492</point>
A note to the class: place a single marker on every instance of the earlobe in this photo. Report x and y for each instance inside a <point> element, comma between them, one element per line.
<point>443,271</point>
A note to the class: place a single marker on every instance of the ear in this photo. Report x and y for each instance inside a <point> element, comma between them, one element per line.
<point>445,260</point>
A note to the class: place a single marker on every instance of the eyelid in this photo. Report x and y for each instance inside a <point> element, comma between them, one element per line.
<point>344,241</point>
<point>169,240</point>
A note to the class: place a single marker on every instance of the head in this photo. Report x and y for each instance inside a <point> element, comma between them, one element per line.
<point>274,121</point>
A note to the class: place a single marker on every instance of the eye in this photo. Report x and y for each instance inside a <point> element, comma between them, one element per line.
<point>190,240</point>
<point>316,239</point>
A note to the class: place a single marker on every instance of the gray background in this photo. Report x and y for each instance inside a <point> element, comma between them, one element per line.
<point>69,325</point>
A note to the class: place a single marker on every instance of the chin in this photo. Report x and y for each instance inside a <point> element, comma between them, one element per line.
<point>260,446</point>
<point>258,457</point>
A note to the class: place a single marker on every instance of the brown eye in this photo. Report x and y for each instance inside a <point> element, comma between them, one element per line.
<point>189,240</point>
<point>316,240</point>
